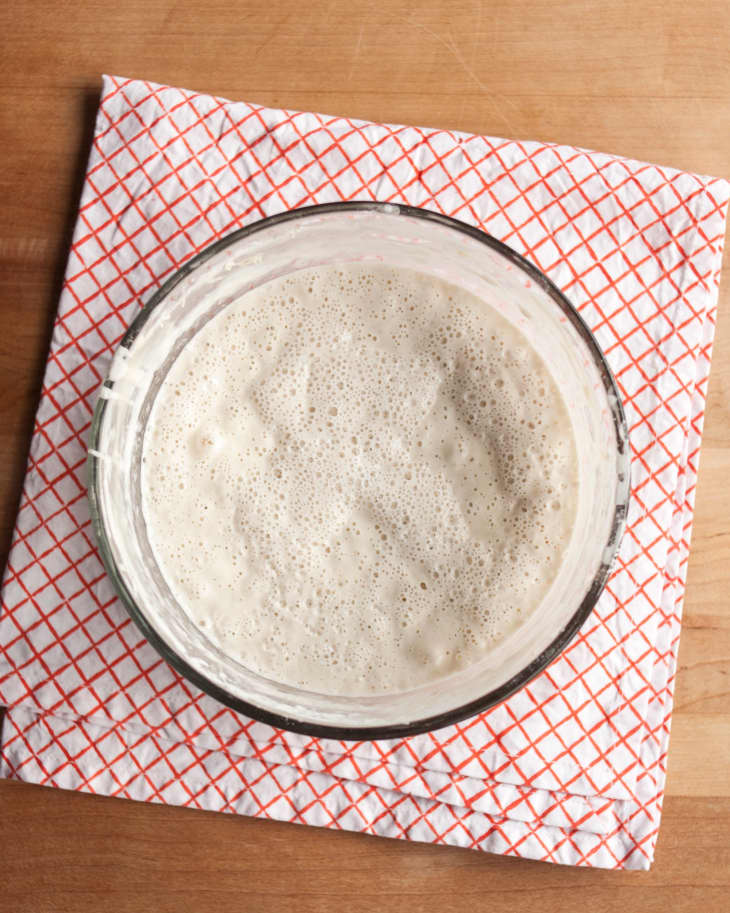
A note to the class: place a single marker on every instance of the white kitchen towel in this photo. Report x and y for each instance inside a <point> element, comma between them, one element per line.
<point>571,768</point>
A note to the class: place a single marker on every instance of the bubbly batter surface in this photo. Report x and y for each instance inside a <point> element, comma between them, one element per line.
<point>358,478</point>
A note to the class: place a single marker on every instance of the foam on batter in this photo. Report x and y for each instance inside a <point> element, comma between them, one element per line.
<point>357,479</point>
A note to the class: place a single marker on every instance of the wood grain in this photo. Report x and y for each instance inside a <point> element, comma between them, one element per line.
<point>645,79</point>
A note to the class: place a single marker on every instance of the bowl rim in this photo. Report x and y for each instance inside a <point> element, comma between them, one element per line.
<point>423,724</point>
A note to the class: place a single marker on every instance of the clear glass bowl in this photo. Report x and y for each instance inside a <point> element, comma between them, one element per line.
<point>400,236</point>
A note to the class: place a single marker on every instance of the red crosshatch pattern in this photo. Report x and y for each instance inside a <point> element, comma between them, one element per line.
<point>570,769</point>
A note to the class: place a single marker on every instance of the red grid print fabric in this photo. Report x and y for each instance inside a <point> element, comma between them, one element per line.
<point>571,768</point>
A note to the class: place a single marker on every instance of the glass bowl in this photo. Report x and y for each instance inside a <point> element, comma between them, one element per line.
<point>406,237</point>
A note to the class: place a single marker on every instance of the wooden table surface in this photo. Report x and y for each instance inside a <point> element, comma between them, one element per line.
<point>645,79</point>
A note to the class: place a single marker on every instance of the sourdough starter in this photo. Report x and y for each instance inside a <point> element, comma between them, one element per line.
<point>357,479</point>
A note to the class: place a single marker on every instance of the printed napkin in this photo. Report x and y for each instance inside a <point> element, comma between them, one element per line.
<point>571,768</point>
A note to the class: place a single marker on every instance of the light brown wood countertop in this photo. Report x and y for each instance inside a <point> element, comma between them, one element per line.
<point>644,79</point>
